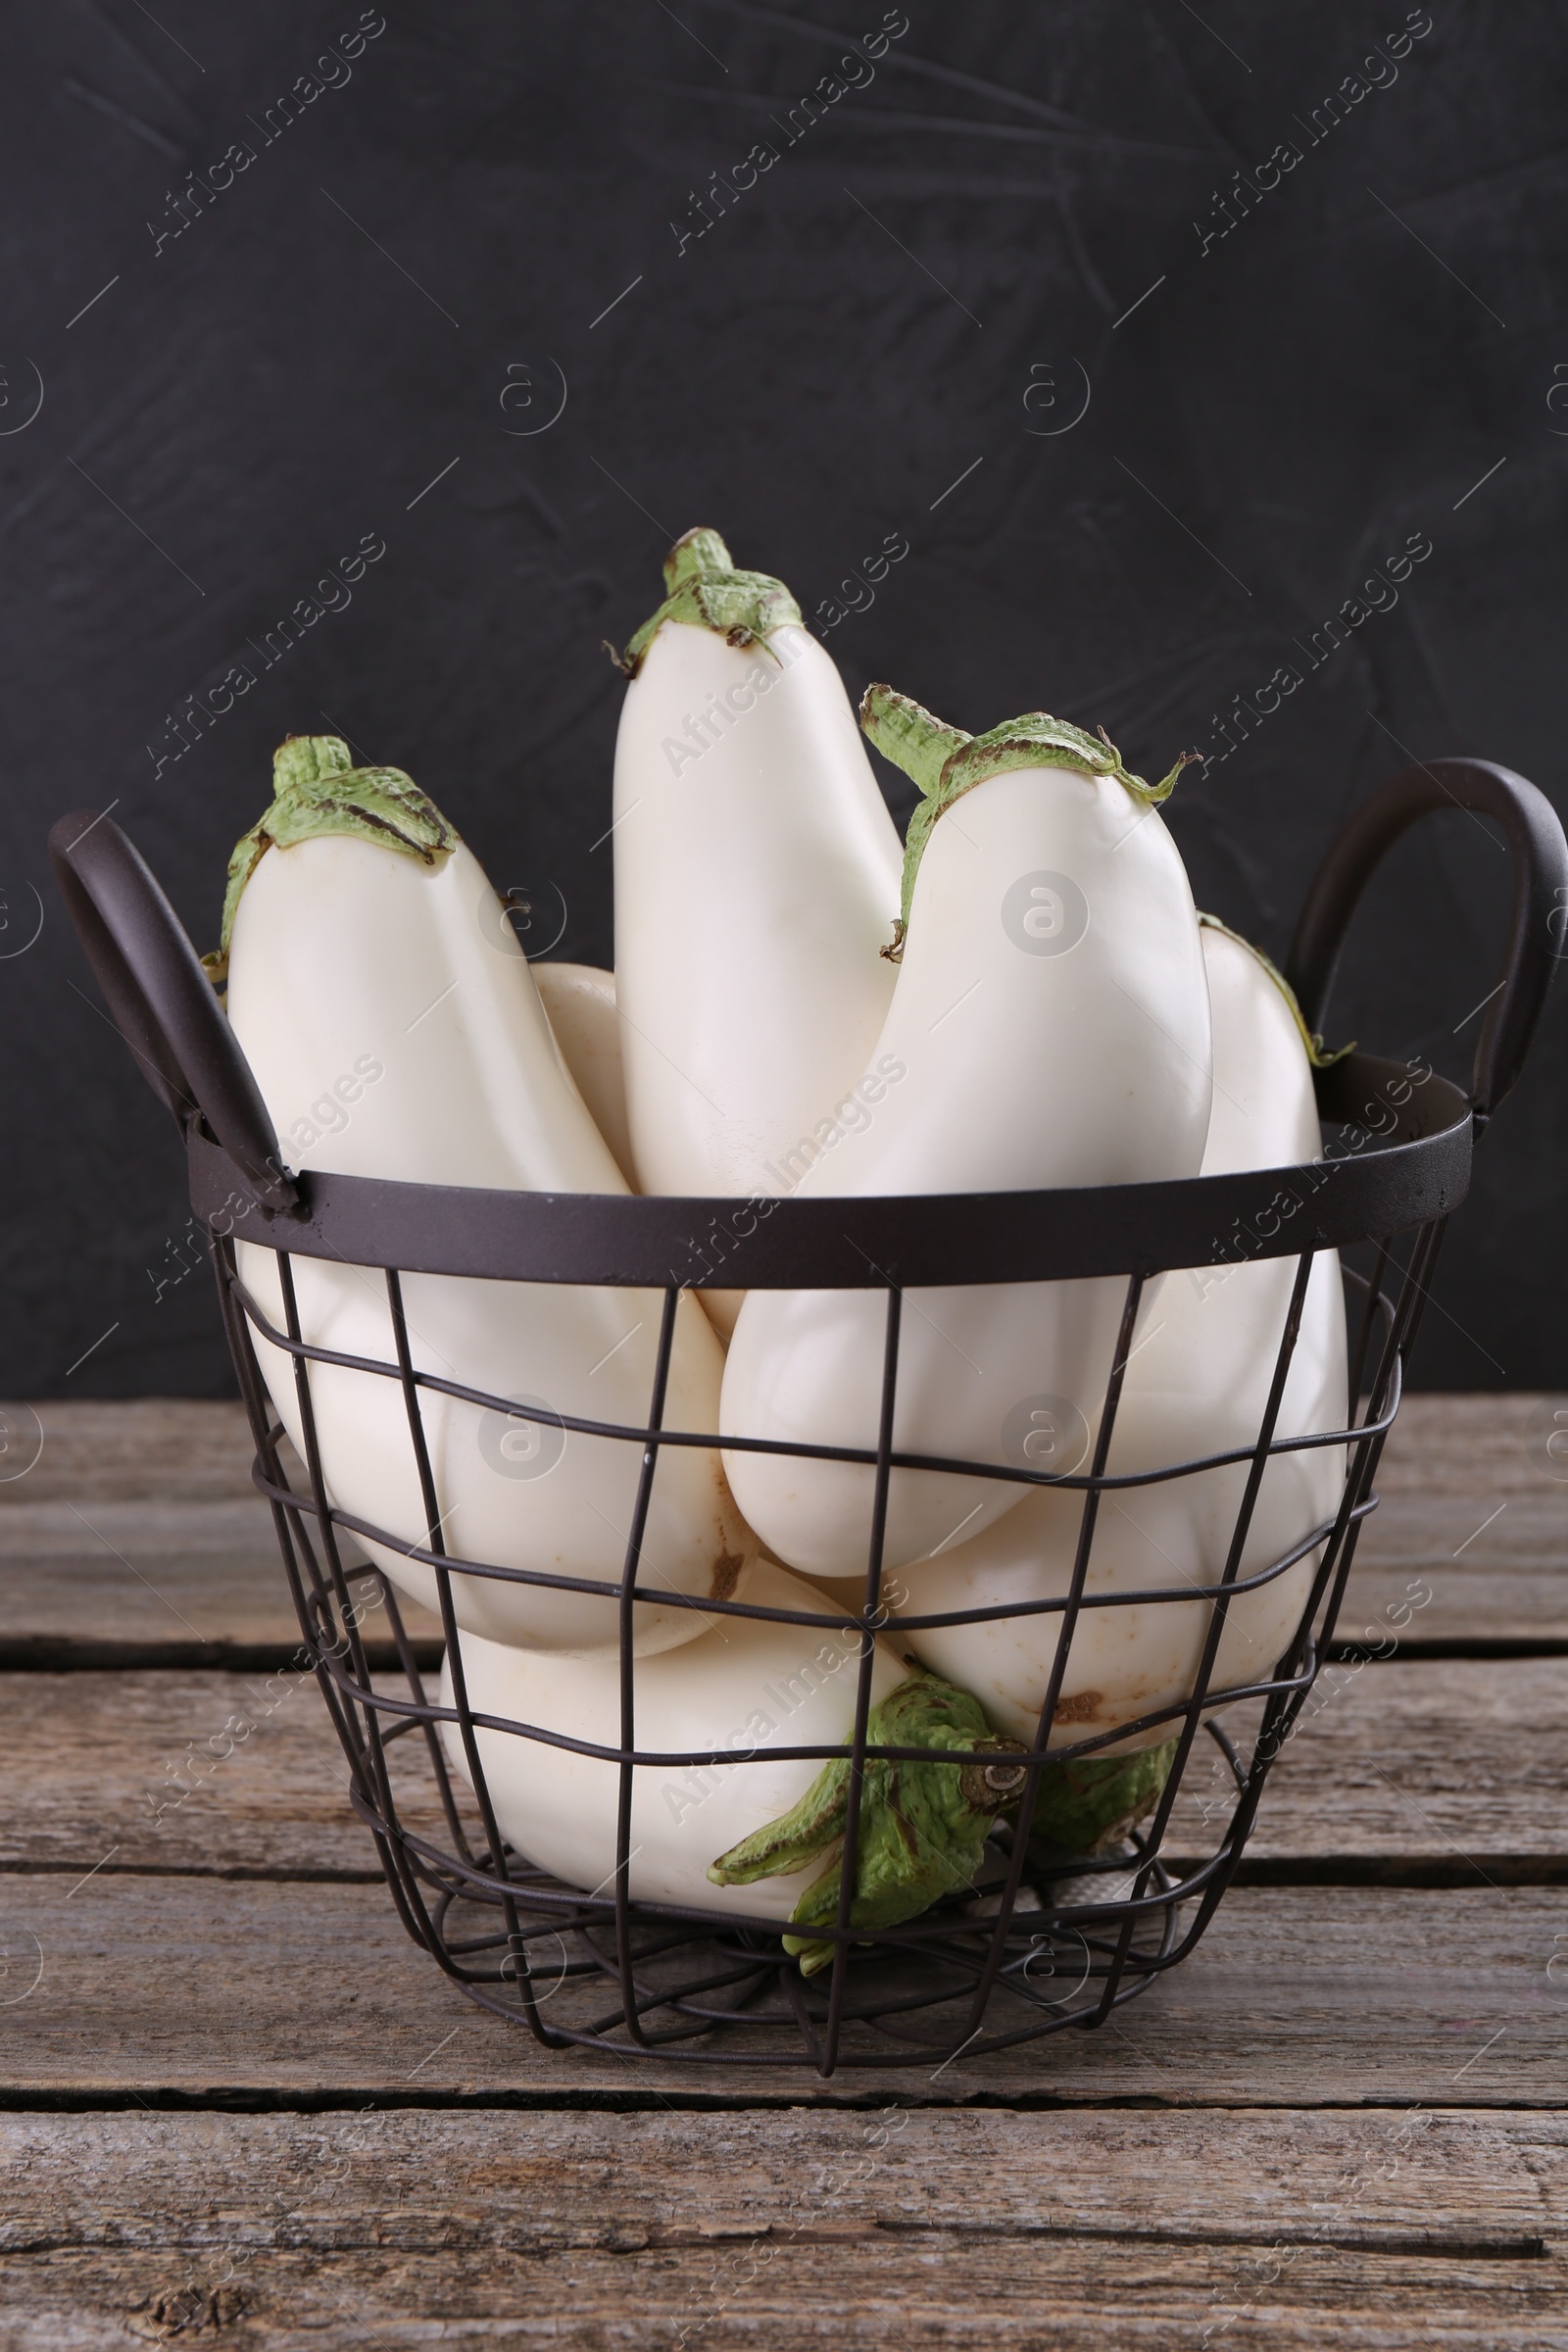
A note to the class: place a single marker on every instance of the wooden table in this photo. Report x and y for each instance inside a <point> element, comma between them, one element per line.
<point>241,2108</point>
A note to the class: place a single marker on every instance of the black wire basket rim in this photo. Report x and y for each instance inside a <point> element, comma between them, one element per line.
<point>1416,1171</point>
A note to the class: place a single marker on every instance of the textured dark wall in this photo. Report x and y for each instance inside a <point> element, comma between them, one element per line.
<point>893,330</point>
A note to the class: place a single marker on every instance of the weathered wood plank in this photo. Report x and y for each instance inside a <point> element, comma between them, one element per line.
<point>935,2227</point>
<point>1430,1760</point>
<point>185,1771</point>
<point>129,1987</point>
<point>139,1525</point>
<point>145,1449</point>
<point>1426,1762</point>
<point>138,1528</point>
<point>1496,1574</point>
<point>1436,2181</point>
<point>928,2290</point>
<point>168,1585</point>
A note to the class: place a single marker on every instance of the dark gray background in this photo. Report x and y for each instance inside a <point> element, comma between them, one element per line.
<point>245,401</point>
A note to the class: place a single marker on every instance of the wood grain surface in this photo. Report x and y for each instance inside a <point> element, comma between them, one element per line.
<point>128,1987</point>
<point>900,2289</point>
<point>897,2226</point>
<point>140,1535</point>
<point>238,2106</point>
<point>417,2181</point>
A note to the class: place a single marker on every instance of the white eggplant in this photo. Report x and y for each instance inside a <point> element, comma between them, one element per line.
<point>388,1013</point>
<point>1051,1027</point>
<point>579,1002</point>
<point>1197,1386</point>
<point>750,1834</point>
<point>757,877</point>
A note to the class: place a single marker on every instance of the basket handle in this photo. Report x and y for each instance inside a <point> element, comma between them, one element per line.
<point>160,999</point>
<point>1535,928</point>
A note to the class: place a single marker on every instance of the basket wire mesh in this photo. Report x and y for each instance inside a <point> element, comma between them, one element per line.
<point>928,1988</point>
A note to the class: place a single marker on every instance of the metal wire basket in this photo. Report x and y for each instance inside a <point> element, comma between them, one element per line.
<point>1039,1942</point>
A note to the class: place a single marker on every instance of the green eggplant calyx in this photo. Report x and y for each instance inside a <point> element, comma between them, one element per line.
<point>304,760</point>
<point>316,791</point>
<point>1317,1052</point>
<point>906,732</point>
<point>704,591</point>
<point>1088,1804</point>
<point>946,762</point>
<point>695,553</point>
<point>923,1824</point>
